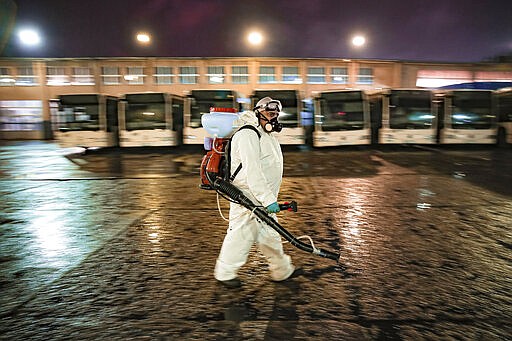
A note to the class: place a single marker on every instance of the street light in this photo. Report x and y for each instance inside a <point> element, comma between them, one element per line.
<point>29,37</point>
<point>358,40</point>
<point>143,38</point>
<point>255,38</point>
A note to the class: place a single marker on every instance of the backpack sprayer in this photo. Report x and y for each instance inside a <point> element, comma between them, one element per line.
<point>214,173</point>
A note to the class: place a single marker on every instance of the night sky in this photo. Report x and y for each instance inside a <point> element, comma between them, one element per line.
<point>416,30</point>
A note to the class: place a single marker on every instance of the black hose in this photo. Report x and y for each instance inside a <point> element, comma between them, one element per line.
<point>234,193</point>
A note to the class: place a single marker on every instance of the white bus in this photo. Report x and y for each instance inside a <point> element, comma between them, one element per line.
<point>199,102</point>
<point>503,102</point>
<point>290,117</point>
<point>151,119</point>
<point>467,117</point>
<point>408,116</point>
<point>86,120</point>
<point>342,118</point>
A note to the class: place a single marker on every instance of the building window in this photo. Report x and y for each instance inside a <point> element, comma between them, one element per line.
<point>267,74</point>
<point>316,75</point>
<point>365,76</point>
<point>21,115</point>
<point>339,75</point>
<point>110,75</point>
<point>239,74</point>
<point>163,75</point>
<point>26,76</point>
<point>134,75</point>
<point>56,75</point>
<point>216,74</point>
<point>82,76</point>
<point>291,75</point>
<point>188,75</point>
<point>5,77</point>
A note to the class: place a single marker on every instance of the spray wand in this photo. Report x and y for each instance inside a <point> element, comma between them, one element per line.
<point>236,195</point>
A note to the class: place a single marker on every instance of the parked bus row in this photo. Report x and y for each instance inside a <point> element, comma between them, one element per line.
<point>331,118</point>
<point>413,116</point>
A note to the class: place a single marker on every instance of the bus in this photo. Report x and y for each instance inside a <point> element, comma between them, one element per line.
<point>342,118</point>
<point>406,116</point>
<point>503,103</point>
<point>199,102</point>
<point>467,117</point>
<point>290,117</point>
<point>86,120</point>
<point>151,119</point>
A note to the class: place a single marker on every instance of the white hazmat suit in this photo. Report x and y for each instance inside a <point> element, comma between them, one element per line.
<point>259,179</point>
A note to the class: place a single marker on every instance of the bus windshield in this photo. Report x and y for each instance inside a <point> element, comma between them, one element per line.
<point>79,112</point>
<point>289,115</point>
<point>472,110</point>
<point>410,110</point>
<point>145,112</point>
<point>342,111</point>
<point>202,101</point>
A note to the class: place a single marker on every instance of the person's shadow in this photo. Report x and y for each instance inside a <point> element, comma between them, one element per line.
<point>283,321</point>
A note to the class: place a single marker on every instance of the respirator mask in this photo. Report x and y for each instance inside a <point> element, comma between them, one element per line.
<point>273,107</point>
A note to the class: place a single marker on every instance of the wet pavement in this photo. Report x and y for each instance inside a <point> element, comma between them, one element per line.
<point>121,244</point>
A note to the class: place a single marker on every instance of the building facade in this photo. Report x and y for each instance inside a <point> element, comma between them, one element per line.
<point>29,85</point>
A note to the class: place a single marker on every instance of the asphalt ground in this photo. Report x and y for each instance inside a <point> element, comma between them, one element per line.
<point>121,244</point>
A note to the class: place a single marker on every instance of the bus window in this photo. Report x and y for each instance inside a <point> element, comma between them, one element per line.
<point>339,115</point>
<point>410,110</point>
<point>145,116</point>
<point>80,112</point>
<point>471,110</point>
<point>145,112</point>
<point>289,116</point>
<point>342,111</point>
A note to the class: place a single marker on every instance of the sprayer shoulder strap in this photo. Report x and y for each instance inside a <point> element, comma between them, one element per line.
<point>253,128</point>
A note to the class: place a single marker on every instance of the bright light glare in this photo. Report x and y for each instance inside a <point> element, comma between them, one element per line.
<point>358,41</point>
<point>255,38</point>
<point>29,37</point>
<point>461,116</point>
<point>143,38</point>
<point>426,117</point>
<point>216,79</point>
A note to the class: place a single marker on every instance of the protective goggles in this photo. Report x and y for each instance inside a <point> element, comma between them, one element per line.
<point>273,106</point>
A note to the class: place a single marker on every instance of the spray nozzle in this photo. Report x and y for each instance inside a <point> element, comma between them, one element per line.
<point>288,206</point>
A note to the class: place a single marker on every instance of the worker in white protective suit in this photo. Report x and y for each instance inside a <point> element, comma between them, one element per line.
<point>259,178</point>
